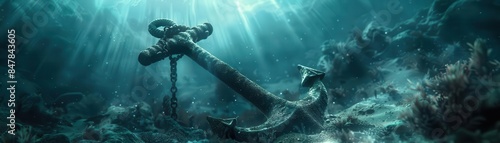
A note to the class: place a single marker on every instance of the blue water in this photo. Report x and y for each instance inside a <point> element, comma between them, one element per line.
<point>91,46</point>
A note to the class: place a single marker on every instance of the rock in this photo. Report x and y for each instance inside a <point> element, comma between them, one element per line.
<point>342,59</point>
<point>117,134</point>
<point>67,98</point>
<point>440,6</point>
<point>466,20</point>
<point>89,105</point>
<point>32,111</point>
<point>138,117</point>
<point>168,124</point>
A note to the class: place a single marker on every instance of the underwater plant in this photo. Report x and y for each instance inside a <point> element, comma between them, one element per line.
<point>26,135</point>
<point>457,99</point>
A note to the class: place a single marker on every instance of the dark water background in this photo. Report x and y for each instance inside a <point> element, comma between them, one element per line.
<point>92,46</point>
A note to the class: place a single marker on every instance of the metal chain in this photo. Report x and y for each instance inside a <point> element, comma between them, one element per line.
<point>169,32</point>
<point>173,79</point>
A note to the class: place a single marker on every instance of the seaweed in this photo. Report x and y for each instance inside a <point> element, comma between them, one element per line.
<point>460,98</point>
<point>26,135</point>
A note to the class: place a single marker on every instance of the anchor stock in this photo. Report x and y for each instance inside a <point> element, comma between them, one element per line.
<point>171,37</point>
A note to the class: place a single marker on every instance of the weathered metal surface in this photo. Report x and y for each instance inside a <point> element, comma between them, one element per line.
<point>282,115</point>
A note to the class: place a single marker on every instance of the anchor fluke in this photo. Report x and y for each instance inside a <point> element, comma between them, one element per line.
<point>309,75</point>
<point>283,118</point>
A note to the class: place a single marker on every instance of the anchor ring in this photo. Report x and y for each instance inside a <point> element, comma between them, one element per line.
<point>154,25</point>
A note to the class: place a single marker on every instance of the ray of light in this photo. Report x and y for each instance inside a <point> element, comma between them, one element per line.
<point>115,31</point>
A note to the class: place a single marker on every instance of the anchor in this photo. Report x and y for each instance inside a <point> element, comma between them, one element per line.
<point>282,115</point>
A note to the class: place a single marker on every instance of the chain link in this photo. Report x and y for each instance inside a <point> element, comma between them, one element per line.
<point>169,33</point>
<point>173,79</point>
